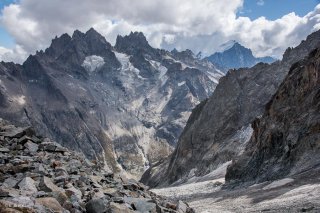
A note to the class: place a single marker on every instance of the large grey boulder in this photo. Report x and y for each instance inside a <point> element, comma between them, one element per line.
<point>47,185</point>
<point>100,205</point>
<point>27,186</point>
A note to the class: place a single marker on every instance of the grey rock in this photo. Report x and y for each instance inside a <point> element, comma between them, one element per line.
<point>40,169</point>
<point>23,201</point>
<point>141,204</point>
<point>50,203</point>
<point>117,199</point>
<point>72,191</point>
<point>97,206</point>
<point>14,132</point>
<point>27,186</point>
<point>24,139</point>
<point>47,185</point>
<point>48,146</point>
<point>9,183</point>
<point>8,192</point>
<point>119,208</point>
<point>5,150</point>
<point>182,207</point>
<point>32,147</point>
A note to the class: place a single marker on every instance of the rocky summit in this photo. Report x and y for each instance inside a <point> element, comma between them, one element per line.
<point>125,105</point>
<point>39,175</point>
<point>234,56</point>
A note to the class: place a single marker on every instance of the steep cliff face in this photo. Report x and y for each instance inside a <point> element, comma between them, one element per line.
<point>220,128</point>
<point>286,139</point>
<point>125,105</point>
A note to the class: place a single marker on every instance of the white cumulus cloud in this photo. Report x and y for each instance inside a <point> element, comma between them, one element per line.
<point>196,25</point>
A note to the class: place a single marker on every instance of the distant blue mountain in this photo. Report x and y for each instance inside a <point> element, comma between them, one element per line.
<point>234,56</point>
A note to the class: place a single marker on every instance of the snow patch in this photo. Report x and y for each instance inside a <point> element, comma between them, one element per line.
<point>242,136</point>
<point>92,63</point>
<point>116,131</point>
<point>226,46</point>
<point>2,86</point>
<point>19,99</point>
<point>214,77</point>
<point>123,59</point>
<point>181,83</point>
<point>191,188</point>
<point>162,71</point>
<point>218,173</point>
<point>183,65</point>
<point>278,183</point>
<point>126,65</point>
<point>73,86</point>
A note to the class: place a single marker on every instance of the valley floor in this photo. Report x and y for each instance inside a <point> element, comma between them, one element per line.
<point>295,194</point>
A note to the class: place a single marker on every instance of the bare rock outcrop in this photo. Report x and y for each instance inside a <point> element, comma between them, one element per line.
<point>286,139</point>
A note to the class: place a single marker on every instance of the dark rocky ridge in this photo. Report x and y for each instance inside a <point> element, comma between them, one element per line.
<point>39,175</point>
<point>124,105</point>
<point>236,57</point>
<point>286,139</point>
<point>218,130</point>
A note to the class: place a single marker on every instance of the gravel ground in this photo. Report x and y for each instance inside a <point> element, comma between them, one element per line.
<point>294,194</point>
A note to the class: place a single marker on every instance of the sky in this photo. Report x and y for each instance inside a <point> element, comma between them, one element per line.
<point>267,27</point>
<point>274,9</point>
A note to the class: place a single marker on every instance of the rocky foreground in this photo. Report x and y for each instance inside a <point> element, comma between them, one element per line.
<point>39,175</point>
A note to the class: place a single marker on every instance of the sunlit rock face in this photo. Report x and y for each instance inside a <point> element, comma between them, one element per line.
<point>286,139</point>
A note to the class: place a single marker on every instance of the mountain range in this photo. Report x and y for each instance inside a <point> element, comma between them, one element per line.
<point>124,105</point>
<point>219,137</point>
<point>234,56</point>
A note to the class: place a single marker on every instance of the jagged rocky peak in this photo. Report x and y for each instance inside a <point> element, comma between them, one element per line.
<point>77,34</point>
<point>96,39</point>
<point>9,68</point>
<point>134,42</point>
<point>183,55</point>
<point>234,55</point>
<point>58,44</point>
<point>93,40</point>
<point>88,48</point>
<point>199,55</point>
<point>303,48</point>
<point>286,139</point>
<point>227,45</point>
<point>232,45</point>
